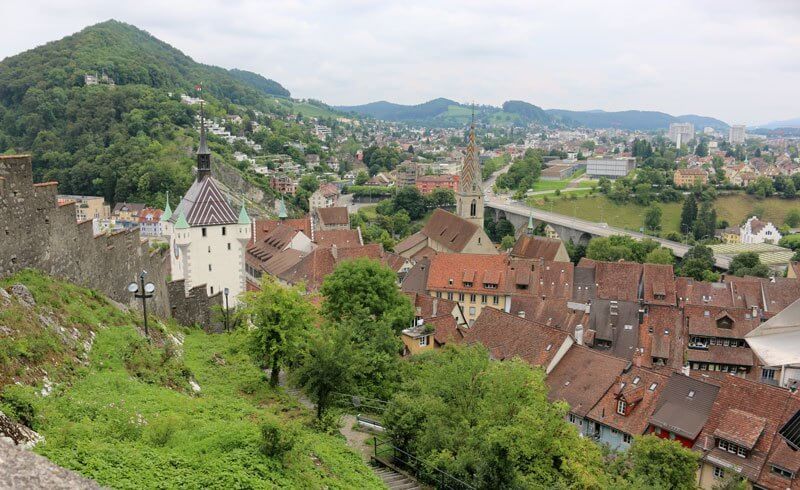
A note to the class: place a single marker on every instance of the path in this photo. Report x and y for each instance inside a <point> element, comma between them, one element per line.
<point>357,440</point>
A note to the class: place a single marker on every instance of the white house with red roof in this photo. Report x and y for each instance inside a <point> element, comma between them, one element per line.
<point>756,231</point>
<point>207,237</point>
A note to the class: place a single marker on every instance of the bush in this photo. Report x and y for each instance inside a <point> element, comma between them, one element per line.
<point>329,422</point>
<point>276,439</point>
<point>19,404</point>
<point>156,366</point>
<point>161,429</point>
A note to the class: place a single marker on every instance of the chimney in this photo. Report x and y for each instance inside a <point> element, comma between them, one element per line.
<point>435,306</point>
<point>334,252</point>
<point>579,334</point>
<point>521,314</point>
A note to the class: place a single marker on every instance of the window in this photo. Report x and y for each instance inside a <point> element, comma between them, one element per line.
<point>209,267</point>
<point>467,284</point>
<point>472,298</point>
<point>471,311</point>
<point>767,373</point>
<point>438,294</point>
<point>489,286</point>
<point>212,289</point>
<point>223,231</point>
<point>483,298</point>
<point>719,472</point>
<point>209,249</point>
<point>461,296</point>
<point>423,341</point>
<point>653,386</point>
<point>572,418</point>
<point>781,472</point>
<point>204,231</point>
<point>495,300</point>
<point>626,438</point>
<point>229,245</point>
<point>450,296</point>
<point>636,380</point>
<point>621,406</point>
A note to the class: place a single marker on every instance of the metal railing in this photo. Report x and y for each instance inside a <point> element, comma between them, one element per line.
<point>372,405</point>
<point>385,451</point>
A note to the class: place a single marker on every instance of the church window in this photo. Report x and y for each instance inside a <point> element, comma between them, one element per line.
<point>212,288</point>
<point>223,231</point>
<point>209,267</point>
<point>209,249</point>
<point>473,208</point>
<point>204,231</point>
<point>229,245</point>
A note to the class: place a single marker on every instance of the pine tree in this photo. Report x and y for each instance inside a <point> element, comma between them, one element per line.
<point>688,213</point>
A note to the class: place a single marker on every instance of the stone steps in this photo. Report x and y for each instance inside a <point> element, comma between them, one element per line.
<point>394,480</point>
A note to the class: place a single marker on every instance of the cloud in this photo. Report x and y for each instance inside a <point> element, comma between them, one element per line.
<point>736,60</point>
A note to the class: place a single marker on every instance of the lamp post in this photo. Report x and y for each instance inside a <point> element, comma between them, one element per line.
<point>226,291</point>
<point>143,291</point>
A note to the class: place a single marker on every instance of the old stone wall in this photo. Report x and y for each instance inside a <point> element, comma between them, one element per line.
<point>37,233</point>
<point>195,307</point>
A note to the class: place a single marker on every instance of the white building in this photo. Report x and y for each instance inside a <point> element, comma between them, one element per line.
<point>681,133</point>
<point>609,167</point>
<point>207,238</point>
<point>756,231</point>
<point>737,134</point>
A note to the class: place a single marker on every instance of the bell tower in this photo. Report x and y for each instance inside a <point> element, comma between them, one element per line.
<point>469,199</point>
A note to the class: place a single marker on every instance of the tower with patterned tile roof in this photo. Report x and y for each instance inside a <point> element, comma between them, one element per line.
<point>469,198</point>
<point>207,237</point>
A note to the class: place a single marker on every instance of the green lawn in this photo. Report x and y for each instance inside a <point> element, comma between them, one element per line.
<point>733,208</point>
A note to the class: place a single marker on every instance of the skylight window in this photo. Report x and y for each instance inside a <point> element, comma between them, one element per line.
<point>636,380</point>
<point>653,386</point>
<point>691,394</point>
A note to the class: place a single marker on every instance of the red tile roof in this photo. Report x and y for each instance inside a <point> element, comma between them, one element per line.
<point>536,247</point>
<point>334,215</point>
<point>658,283</point>
<point>618,280</point>
<point>634,387</point>
<point>447,272</point>
<point>449,230</point>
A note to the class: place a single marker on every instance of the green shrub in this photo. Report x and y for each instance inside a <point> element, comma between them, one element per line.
<point>19,403</point>
<point>156,366</point>
<point>161,429</point>
<point>329,422</point>
<point>276,439</point>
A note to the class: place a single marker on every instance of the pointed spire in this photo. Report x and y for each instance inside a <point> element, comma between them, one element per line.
<point>529,230</point>
<point>181,223</point>
<point>203,148</point>
<point>282,214</point>
<point>167,214</point>
<point>244,218</point>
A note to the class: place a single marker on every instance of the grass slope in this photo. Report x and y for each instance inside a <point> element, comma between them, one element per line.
<point>733,208</point>
<point>116,421</point>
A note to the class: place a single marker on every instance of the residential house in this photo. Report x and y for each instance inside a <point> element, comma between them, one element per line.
<point>326,196</point>
<point>683,409</point>
<point>538,247</point>
<point>150,222</point>
<point>86,207</point>
<point>756,231</point>
<point>283,184</point>
<point>687,177</point>
<point>330,218</point>
<point>716,340</point>
<point>437,322</point>
<point>127,213</point>
<point>427,183</point>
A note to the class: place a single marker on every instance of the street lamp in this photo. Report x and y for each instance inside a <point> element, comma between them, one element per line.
<point>143,291</point>
<point>226,291</point>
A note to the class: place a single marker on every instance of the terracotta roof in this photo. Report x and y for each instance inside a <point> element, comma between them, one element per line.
<point>618,280</point>
<point>447,272</point>
<point>263,227</point>
<point>780,294</point>
<point>703,320</point>
<point>339,238</point>
<point>416,279</point>
<point>568,380</point>
<point>410,242</point>
<point>750,413</point>
<point>429,306</point>
<point>314,267</point>
<point>128,207</point>
<point>449,230</point>
<point>662,335</point>
<point>640,388</point>
<point>658,283</point>
<point>738,356</point>
<point>536,247</point>
<point>684,405</point>
<point>507,336</point>
<point>334,216</point>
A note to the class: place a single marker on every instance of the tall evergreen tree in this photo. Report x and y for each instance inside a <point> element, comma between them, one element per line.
<point>688,214</point>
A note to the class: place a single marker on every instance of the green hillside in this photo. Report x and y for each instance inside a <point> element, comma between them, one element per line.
<point>124,412</point>
<point>133,141</point>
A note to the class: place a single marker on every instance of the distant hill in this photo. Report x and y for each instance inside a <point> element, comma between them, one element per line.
<point>269,87</point>
<point>129,142</point>
<point>786,123</point>
<point>446,112</point>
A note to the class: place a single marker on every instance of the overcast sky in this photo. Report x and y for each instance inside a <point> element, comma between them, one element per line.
<point>736,60</point>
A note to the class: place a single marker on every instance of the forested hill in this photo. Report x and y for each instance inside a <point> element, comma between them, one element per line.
<point>130,142</point>
<point>446,112</point>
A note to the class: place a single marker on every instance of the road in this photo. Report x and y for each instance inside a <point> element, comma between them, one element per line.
<point>595,229</point>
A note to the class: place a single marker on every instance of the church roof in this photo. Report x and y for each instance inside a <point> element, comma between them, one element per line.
<point>204,204</point>
<point>471,177</point>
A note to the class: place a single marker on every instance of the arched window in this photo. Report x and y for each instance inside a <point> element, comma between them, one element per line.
<point>473,208</point>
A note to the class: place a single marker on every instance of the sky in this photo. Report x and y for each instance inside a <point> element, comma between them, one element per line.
<point>735,60</point>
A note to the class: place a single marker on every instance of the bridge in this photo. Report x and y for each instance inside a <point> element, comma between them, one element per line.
<point>571,228</point>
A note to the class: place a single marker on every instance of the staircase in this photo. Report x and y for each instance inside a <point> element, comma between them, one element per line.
<point>395,480</point>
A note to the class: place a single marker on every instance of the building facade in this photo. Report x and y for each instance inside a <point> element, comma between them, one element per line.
<point>756,231</point>
<point>737,134</point>
<point>611,168</point>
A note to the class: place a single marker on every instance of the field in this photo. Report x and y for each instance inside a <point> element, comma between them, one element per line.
<point>552,185</point>
<point>769,254</point>
<point>733,208</point>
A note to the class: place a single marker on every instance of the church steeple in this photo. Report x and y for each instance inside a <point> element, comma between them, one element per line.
<point>203,154</point>
<point>469,199</point>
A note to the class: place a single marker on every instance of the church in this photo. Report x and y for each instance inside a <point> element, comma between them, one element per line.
<point>207,237</point>
<point>455,233</point>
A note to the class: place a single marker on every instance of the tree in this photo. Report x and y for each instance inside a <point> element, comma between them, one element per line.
<point>652,219</point>
<point>701,149</point>
<point>309,183</point>
<point>748,264</point>
<point>412,200</point>
<point>490,423</point>
<point>688,214</point>
<point>507,243</point>
<point>327,366</point>
<point>661,463</point>
<point>792,218</point>
<point>361,178</point>
<point>281,317</point>
<point>660,255</point>
<point>365,288</point>
<point>441,198</point>
<point>706,222</point>
<point>697,263</point>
